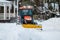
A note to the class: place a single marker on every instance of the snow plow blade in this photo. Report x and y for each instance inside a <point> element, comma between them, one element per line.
<point>31,26</point>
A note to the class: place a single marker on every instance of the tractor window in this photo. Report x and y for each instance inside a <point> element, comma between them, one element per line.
<point>27,12</point>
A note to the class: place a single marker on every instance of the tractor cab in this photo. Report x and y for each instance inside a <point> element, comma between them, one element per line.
<point>25,12</point>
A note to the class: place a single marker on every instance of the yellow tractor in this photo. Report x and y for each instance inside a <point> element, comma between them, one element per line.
<point>25,14</point>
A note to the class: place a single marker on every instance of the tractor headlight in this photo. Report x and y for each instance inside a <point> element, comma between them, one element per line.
<point>29,7</point>
<point>24,6</point>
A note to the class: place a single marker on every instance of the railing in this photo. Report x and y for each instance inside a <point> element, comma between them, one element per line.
<point>7,15</point>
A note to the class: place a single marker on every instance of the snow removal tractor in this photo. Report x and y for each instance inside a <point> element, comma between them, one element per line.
<point>25,17</point>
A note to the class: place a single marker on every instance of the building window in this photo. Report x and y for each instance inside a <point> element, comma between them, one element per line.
<point>1,9</point>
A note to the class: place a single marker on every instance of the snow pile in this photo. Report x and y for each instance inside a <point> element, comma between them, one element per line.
<point>8,31</point>
<point>51,24</point>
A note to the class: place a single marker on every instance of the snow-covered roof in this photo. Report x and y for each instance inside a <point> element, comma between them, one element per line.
<point>5,1</point>
<point>2,0</point>
<point>2,3</point>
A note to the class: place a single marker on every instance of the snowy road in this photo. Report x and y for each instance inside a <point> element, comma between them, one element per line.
<point>11,31</point>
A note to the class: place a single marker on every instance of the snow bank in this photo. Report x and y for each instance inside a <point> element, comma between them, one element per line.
<point>8,31</point>
<point>51,24</point>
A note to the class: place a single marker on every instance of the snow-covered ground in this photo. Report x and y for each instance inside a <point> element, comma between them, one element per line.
<point>12,31</point>
<point>50,24</point>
